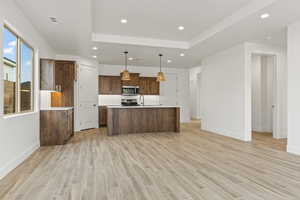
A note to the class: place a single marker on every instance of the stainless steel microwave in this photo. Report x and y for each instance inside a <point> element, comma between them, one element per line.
<point>130,90</point>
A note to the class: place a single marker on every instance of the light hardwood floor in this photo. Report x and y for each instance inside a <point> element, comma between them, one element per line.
<point>193,165</point>
<point>267,140</point>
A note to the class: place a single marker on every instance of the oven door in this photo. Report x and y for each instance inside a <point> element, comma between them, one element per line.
<point>129,91</point>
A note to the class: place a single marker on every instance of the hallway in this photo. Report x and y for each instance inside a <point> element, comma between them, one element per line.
<point>267,140</point>
<point>258,139</point>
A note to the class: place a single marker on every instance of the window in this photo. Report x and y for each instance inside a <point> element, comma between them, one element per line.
<point>18,58</point>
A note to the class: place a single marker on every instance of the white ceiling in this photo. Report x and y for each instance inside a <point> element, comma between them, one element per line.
<point>160,19</point>
<point>210,26</point>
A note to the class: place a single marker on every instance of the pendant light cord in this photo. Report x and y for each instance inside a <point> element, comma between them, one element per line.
<point>160,55</point>
<point>126,59</point>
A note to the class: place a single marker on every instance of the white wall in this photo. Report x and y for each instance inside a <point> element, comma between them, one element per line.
<point>19,135</point>
<point>105,100</point>
<point>226,106</point>
<point>195,82</point>
<point>223,93</point>
<point>182,77</point>
<point>293,86</point>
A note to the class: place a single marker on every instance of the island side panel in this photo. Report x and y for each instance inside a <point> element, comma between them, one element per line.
<point>113,125</point>
<point>143,120</point>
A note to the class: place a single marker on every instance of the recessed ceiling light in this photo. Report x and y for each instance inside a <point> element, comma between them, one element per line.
<point>94,56</point>
<point>124,21</point>
<point>169,61</point>
<point>265,15</point>
<point>53,20</point>
<point>182,54</point>
<point>95,48</point>
<point>181,28</point>
<point>130,58</point>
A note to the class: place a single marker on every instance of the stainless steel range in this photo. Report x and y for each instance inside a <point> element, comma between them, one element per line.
<point>130,95</point>
<point>129,100</point>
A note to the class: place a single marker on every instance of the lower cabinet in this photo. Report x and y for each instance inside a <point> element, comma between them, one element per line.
<point>56,127</point>
<point>102,116</point>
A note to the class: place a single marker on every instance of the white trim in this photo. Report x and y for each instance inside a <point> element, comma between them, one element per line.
<point>141,41</point>
<point>19,115</point>
<point>293,149</point>
<point>248,104</point>
<point>35,72</point>
<point>79,60</point>
<point>225,133</point>
<point>236,17</point>
<point>16,162</point>
<point>227,22</point>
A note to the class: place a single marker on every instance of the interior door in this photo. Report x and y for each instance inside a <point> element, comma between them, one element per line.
<point>87,97</point>
<point>169,88</point>
<point>274,97</point>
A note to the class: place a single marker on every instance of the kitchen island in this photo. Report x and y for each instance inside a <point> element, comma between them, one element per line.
<point>142,119</point>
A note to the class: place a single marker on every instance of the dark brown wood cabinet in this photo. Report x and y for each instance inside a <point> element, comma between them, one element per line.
<point>102,116</point>
<point>56,127</point>
<point>154,88</point>
<point>143,84</point>
<point>64,77</point>
<point>149,86</point>
<point>56,74</point>
<point>110,85</point>
<point>47,74</point>
<point>143,120</point>
<point>116,85</point>
<point>134,80</point>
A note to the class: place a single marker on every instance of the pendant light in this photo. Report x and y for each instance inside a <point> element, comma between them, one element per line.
<point>125,73</point>
<point>160,74</point>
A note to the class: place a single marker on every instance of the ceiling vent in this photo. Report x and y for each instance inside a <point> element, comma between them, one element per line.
<point>53,20</point>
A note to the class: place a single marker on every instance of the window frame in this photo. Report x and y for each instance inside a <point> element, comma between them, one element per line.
<point>17,105</point>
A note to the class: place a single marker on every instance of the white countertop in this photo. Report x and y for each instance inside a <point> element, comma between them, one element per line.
<point>57,108</point>
<point>145,106</point>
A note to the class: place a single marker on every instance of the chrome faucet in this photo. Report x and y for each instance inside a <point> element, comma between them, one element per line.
<point>142,97</point>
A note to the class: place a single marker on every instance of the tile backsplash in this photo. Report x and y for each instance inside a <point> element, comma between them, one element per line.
<point>116,100</point>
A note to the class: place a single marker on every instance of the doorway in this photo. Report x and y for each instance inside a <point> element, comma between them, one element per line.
<point>263,101</point>
<point>195,104</point>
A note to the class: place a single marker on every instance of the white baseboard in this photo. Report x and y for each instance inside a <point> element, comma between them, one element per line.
<point>16,162</point>
<point>185,121</point>
<point>225,133</point>
<point>280,137</point>
<point>293,149</point>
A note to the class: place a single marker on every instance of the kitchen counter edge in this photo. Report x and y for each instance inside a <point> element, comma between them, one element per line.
<point>57,108</point>
<point>159,106</point>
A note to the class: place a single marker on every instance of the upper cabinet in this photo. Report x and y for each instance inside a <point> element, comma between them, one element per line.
<point>134,80</point>
<point>65,77</point>
<point>59,76</point>
<point>54,74</point>
<point>47,74</point>
<point>149,86</point>
<point>110,85</point>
